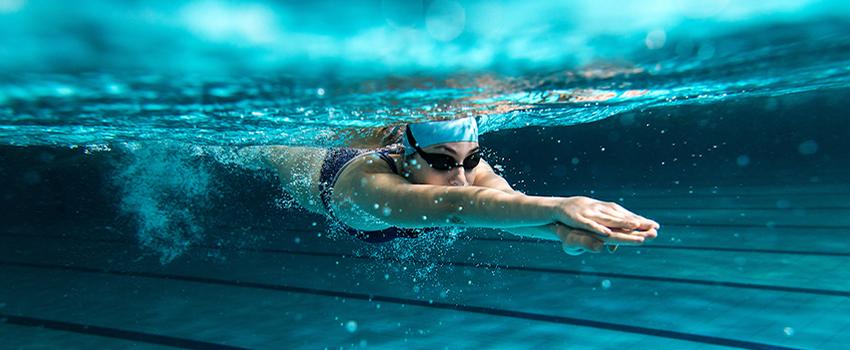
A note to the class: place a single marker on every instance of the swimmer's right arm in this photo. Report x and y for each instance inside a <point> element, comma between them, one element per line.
<point>414,205</point>
<point>395,201</point>
<point>399,203</point>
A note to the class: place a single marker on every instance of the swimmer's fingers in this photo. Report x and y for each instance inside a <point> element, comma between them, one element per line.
<point>616,220</point>
<point>646,224</point>
<point>643,223</point>
<point>583,243</point>
<point>647,235</point>
<point>624,219</point>
<point>575,242</point>
<point>593,227</point>
<point>624,239</point>
<point>600,218</point>
<point>612,236</point>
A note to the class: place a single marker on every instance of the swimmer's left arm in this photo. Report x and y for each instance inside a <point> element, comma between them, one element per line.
<point>574,241</point>
<point>486,177</point>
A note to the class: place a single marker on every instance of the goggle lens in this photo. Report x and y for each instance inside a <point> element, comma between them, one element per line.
<point>446,162</point>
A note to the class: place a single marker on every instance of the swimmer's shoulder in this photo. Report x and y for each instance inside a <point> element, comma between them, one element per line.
<point>371,163</point>
<point>366,165</point>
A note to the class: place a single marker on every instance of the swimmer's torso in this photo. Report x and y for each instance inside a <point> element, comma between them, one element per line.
<point>300,169</point>
<point>352,178</point>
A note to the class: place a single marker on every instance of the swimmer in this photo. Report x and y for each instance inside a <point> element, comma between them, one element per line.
<point>438,177</point>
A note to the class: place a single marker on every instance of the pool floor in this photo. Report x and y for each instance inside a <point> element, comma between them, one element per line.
<point>757,267</point>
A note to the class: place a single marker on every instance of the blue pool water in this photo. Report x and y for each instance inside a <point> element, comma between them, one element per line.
<point>130,219</point>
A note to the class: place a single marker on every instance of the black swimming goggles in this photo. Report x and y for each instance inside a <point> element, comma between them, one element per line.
<point>443,161</point>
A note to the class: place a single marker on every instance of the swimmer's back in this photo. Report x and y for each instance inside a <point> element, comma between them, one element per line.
<point>299,170</point>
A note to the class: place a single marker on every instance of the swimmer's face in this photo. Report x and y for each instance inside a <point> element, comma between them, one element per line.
<point>418,171</point>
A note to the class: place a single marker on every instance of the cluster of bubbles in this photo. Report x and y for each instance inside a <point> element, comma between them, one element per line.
<point>415,260</point>
<point>163,186</point>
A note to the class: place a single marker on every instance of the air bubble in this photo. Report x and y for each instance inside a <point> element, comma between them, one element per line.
<point>808,148</point>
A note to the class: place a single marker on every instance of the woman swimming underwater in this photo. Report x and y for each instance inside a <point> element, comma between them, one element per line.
<point>438,178</point>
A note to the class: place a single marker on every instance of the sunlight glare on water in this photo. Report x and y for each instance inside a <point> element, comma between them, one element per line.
<point>225,73</point>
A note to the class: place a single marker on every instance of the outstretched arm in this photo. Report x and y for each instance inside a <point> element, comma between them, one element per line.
<point>569,236</point>
<point>486,177</point>
<point>396,202</point>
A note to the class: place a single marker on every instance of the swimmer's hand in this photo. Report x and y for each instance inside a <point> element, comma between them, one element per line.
<point>575,241</point>
<point>610,221</point>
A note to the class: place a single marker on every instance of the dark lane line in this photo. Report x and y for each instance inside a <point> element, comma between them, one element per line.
<point>753,251</point>
<point>772,226</point>
<point>765,287</point>
<point>676,247</point>
<point>114,333</point>
<point>825,292</point>
<point>697,338</point>
<point>599,194</point>
<point>791,208</point>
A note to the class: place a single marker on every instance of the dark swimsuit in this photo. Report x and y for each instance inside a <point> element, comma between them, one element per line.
<point>335,160</point>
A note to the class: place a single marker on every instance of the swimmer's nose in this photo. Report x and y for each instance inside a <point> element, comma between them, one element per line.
<point>458,177</point>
